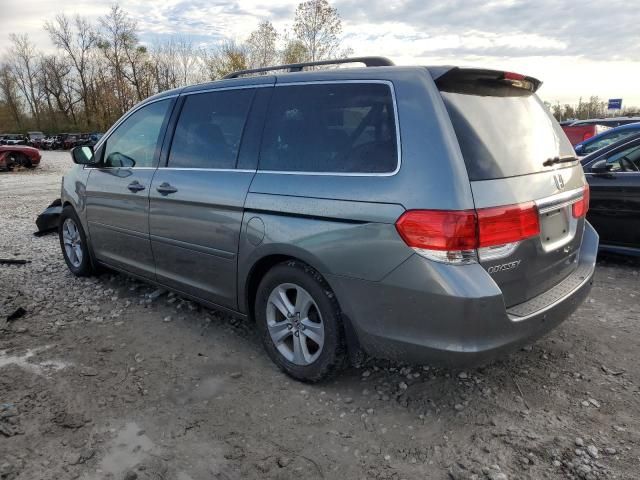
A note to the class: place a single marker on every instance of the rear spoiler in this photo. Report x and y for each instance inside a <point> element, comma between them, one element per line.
<point>478,81</point>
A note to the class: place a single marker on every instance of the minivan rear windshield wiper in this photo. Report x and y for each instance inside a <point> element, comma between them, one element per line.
<point>566,159</point>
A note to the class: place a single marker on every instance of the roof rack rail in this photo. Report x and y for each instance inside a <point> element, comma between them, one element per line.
<point>297,67</point>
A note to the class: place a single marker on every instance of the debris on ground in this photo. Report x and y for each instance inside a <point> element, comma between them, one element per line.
<point>14,261</point>
<point>17,313</point>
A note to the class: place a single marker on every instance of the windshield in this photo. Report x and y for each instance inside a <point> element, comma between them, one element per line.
<point>504,136</point>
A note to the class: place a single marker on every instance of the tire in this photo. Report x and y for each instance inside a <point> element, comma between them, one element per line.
<point>25,161</point>
<point>308,344</point>
<point>73,243</point>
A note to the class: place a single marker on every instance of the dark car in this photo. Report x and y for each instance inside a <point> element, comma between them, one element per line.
<point>605,138</point>
<point>35,139</point>
<point>58,140</point>
<point>608,122</point>
<point>70,140</point>
<point>613,174</point>
<point>13,139</point>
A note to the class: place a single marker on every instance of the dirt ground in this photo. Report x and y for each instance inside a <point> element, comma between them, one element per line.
<point>98,381</point>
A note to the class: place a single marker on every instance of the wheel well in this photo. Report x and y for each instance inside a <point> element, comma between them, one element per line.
<point>258,271</point>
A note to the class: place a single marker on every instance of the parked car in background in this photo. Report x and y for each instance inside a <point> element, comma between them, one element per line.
<point>607,122</point>
<point>613,174</point>
<point>579,133</point>
<point>13,139</point>
<point>18,155</point>
<point>70,140</point>
<point>47,142</point>
<point>606,138</point>
<point>58,141</point>
<point>35,139</point>
<point>82,139</point>
<point>318,204</point>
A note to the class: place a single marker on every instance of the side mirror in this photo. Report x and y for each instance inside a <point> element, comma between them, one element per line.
<point>578,148</point>
<point>83,155</point>
<point>601,166</point>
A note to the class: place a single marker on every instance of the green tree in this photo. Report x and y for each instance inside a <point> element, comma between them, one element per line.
<point>294,52</point>
<point>226,58</point>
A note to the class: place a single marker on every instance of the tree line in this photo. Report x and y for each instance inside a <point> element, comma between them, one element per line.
<point>592,108</point>
<point>100,69</point>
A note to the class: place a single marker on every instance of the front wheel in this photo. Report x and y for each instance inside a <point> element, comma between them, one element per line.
<point>300,322</point>
<point>74,243</point>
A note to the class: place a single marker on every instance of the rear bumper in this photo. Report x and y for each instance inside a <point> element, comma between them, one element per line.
<point>425,312</point>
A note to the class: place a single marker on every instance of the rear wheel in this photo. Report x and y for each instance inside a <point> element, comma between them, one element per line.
<point>74,243</point>
<point>300,322</point>
<point>24,161</point>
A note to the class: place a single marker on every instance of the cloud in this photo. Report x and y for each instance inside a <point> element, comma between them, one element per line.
<point>589,28</point>
<point>577,48</point>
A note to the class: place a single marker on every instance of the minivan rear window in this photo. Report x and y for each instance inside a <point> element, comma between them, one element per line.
<point>503,131</point>
<point>330,128</point>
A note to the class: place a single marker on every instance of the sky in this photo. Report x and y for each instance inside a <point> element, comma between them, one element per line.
<point>590,47</point>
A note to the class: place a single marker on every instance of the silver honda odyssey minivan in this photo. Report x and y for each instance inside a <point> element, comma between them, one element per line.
<point>426,214</point>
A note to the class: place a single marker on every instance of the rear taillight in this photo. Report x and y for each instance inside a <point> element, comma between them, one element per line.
<point>587,136</point>
<point>508,224</point>
<point>581,207</point>
<point>438,229</point>
<point>513,76</point>
<point>454,236</point>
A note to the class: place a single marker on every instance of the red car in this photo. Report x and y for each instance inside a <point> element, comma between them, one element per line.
<point>579,133</point>
<point>18,155</point>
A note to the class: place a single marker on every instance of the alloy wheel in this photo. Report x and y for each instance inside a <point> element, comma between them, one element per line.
<point>72,242</point>
<point>295,324</point>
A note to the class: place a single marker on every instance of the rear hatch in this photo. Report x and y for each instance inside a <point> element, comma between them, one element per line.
<point>528,187</point>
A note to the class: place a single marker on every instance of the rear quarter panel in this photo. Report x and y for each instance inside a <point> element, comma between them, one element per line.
<point>345,225</point>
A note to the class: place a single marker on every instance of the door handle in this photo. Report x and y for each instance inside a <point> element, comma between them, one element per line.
<point>135,186</point>
<point>166,189</point>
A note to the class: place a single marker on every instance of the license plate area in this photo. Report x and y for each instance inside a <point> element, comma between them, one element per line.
<point>557,224</point>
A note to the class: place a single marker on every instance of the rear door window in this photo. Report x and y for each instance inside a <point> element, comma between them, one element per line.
<point>331,128</point>
<point>209,130</point>
<point>503,130</point>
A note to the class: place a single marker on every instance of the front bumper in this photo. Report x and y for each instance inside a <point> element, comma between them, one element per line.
<point>426,312</point>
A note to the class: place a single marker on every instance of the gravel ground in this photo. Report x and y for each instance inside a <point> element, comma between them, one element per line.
<point>97,381</point>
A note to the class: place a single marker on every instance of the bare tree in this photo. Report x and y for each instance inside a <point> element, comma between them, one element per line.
<point>261,45</point>
<point>188,62</point>
<point>10,95</point>
<point>77,45</point>
<point>101,69</point>
<point>117,40</point>
<point>25,68</point>
<point>57,83</point>
<point>317,26</point>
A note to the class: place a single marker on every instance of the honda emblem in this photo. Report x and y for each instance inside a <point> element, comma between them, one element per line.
<point>559,181</point>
